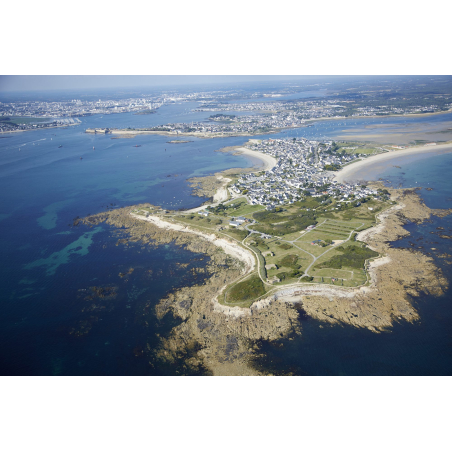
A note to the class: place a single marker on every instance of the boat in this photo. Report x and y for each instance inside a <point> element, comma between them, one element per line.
<point>137,146</point>
<point>94,147</point>
<point>60,146</point>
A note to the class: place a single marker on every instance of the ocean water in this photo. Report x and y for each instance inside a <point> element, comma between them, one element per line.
<point>69,304</point>
<point>65,308</point>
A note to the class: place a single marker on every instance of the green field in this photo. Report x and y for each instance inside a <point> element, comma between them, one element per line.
<point>361,148</point>
<point>239,207</point>
<point>291,254</point>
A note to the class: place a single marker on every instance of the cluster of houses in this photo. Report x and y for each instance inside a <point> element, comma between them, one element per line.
<point>298,110</point>
<point>303,109</point>
<point>300,171</point>
<point>77,107</point>
<point>391,110</point>
<point>245,124</point>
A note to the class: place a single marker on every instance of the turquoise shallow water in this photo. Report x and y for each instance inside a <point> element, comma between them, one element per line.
<point>54,322</point>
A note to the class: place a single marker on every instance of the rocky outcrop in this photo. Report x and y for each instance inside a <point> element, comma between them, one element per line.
<point>223,339</point>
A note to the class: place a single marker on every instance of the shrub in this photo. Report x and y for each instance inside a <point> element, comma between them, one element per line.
<point>246,290</point>
<point>289,261</point>
<point>286,246</point>
<point>353,256</point>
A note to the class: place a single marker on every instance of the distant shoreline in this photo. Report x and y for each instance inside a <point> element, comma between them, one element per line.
<point>40,128</point>
<point>407,115</point>
<point>307,123</point>
<point>352,171</point>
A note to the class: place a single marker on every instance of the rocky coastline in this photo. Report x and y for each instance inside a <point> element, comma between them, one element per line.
<point>224,340</point>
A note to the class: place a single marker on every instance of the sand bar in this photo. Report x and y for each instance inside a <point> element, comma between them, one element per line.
<point>356,170</point>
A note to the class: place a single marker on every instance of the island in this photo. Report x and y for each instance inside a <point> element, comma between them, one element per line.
<point>292,237</point>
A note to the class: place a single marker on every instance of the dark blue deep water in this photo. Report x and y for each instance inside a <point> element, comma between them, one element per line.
<point>53,320</point>
<point>66,310</point>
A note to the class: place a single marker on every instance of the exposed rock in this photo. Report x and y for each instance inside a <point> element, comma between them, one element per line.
<point>222,339</point>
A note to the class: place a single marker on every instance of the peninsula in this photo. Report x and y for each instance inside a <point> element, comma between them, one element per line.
<point>289,241</point>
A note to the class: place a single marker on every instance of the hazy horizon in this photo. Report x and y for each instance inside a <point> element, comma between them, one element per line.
<point>10,83</point>
<point>30,83</point>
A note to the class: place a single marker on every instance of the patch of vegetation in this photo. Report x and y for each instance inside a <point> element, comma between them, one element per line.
<point>309,202</point>
<point>286,246</point>
<point>222,117</point>
<point>249,289</point>
<point>352,256</point>
<point>290,261</point>
<point>260,243</point>
<point>274,223</point>
<point>307,279</point>
<point>296,273</point>
<point>238,234</point>
<point>332,167</point>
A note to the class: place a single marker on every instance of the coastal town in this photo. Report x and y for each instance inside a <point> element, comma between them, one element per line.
<point>269,111</point>
<point>30,115</point>
<point>303,168</point>
<point>232,126</point>
<point>322,108</point>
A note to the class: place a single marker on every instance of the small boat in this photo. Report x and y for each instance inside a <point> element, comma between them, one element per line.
<point>94,147</point>
<point>81,158</point>
<point>137,146</point>
<point>60,146</point>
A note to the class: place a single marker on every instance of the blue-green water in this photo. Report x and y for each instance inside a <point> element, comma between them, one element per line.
<point>54,322</point>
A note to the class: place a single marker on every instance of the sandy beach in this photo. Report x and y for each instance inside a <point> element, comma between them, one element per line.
<point>268,162</point>
<point>357,170</point>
